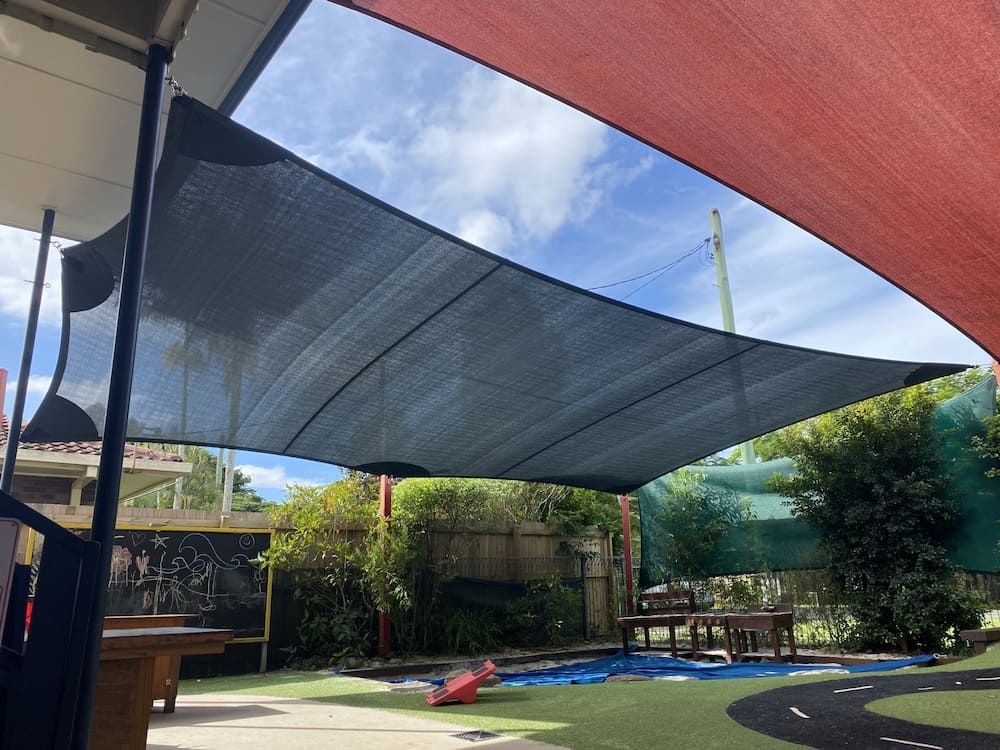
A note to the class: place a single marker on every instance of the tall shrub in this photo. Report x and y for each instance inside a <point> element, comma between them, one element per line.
<point>323,544</point>
<point>694,517</point>
<point>870,480</point>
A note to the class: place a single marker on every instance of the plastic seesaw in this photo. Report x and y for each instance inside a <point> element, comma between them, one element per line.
<point>463,688</point>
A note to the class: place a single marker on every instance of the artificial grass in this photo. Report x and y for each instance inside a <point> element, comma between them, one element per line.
<point>621,715</point>
<point>989,660</point>
<point>979,710</point>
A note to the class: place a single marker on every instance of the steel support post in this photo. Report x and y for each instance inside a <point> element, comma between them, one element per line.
<point>627,552</point>
<point>384,511</point>
<point>109,473</point>
<point>17,413</point>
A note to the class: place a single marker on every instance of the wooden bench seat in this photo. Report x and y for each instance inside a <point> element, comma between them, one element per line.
<point>773,622</point>
<point>979,637</point>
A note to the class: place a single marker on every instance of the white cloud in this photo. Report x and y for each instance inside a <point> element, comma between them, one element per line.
<point>38,385</point>
<point>18,254</point>
<point>460,146</point>
<point>497,145</point>
<point>273,477</point>
<point>361,149</point>
<point>485,229</point>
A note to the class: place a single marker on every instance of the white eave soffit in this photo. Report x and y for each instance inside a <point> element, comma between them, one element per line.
<point>123,30</point>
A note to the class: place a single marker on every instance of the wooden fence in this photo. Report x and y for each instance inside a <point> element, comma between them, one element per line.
<point>497,552</point>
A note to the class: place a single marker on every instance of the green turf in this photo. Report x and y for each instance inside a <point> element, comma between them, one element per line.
<point>989,660</point>
<point>979,710</point>
<point>615,715</point>
<point>582,717</point>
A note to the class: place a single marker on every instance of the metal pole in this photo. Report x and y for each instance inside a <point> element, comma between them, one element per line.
<point>17,413</point>
<point>384,511</point>
<point>627,552</point>
<point>109,473</point>
<point>218,467</point>
<point>726,301</point>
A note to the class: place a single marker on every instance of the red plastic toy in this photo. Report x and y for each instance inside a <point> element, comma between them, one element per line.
<point>463,688</point>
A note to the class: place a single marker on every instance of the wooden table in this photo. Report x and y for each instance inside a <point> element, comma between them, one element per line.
<point>651,621</point>
<point>125,679</point>
<point>166,669</point>
<point>708,620</point>
<point>772,622</point>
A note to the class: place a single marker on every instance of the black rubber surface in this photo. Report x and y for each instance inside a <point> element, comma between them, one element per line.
<point>839,719</point>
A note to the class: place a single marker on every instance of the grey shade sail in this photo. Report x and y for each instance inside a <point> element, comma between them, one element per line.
<point>287,312</point>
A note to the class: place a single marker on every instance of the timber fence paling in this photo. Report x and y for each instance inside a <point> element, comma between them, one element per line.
<point>498,551</point>
<point>80,515</point>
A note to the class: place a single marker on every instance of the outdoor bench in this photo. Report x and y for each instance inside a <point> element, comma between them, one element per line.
<point>980,637</point>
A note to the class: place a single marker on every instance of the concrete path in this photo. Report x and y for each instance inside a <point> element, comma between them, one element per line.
<point>223,722</point>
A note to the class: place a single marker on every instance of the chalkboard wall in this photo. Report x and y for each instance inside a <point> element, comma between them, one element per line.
<point>212,574</point>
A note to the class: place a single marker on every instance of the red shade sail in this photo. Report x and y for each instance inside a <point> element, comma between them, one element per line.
<point>873,125</point>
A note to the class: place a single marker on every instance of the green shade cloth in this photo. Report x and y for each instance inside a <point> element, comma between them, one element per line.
<point>776,541</point>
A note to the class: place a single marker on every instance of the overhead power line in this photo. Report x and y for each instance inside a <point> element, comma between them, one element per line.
<point>656,273</point>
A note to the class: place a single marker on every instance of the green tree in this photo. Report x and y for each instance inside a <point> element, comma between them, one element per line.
<point>987,445</point>
<point>694,517</point>
<point>870,480</point>
<point>199,489</point>
<point>323,545</point>
<point>944,388</point>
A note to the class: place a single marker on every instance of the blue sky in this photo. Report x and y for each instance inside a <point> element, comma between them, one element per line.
<point>531,179</point>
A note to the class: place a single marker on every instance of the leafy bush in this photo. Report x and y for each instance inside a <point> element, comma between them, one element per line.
<point>548,614</point>
<point>694,518</point>
<point>327,560</point>
<point>871,482</point>
<point>467,631</point>
<point>361,564</point>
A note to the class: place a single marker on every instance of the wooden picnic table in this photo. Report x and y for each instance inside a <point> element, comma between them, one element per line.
<point>166,668</point>
<point>739,631</point>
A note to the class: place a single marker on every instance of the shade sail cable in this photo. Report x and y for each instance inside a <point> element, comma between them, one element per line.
<point>285,311</point>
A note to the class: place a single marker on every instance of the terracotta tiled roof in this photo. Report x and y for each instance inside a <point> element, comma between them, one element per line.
<point>88,448</point>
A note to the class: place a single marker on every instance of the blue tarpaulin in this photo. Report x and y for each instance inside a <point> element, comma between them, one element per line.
<point>664,667</point>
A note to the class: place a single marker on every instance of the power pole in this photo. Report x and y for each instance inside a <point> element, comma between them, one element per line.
<point>726,301</point>
<point>218,467</point>
<point>227,492</point>
<point>178,485</point>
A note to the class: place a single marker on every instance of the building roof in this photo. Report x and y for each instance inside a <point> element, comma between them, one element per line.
<point>84,57</point>
<point>89,448</point>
